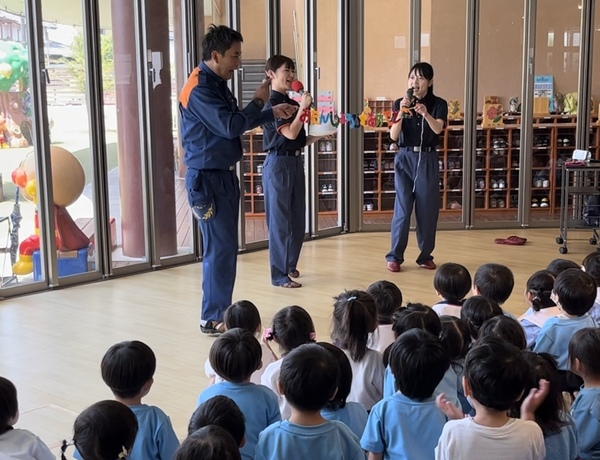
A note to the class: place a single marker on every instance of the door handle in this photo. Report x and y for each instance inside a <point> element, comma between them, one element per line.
<point>46,75</point>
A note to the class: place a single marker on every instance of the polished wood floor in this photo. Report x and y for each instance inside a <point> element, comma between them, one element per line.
<point>51,343</point>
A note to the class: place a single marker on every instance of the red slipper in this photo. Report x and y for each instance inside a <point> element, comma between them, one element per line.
<point>511,240</point>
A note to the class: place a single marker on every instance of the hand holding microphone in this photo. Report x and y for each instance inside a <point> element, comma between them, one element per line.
<point>306,100</point>
<point>407,103</point>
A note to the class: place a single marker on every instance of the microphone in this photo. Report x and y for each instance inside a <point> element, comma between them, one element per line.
<point>410,94</point>
<point>405,111</point>
<point>298,87</point>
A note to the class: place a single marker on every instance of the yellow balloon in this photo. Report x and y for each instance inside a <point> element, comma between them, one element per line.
<point>31,187</point>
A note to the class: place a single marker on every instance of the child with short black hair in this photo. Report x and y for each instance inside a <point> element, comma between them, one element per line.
<point>419,316</point>
<point>477,310</point>
<point>456,339</point>
<point>308,379</point>
<point>452,282</point>
<point>15,442</point>
<point>407,424</point>
<point>538,295</point>
<point>128,369</point>
<point>494,281</point>
<point>234,356</point>
<point>505,328</point>
<point>354,318</point>
<point>292,326</point>
<point>220,411</point>
<point>557,266</point>
<point>104,431</point>
<point>245,315</point>
<point>353,414</point>
<point>208,443</point>
<point>574,294</point>
<point>495,378</point>
<point>584,349</point>
<point>388,300</point>
<point>591,265</point>
<point>560,432</point>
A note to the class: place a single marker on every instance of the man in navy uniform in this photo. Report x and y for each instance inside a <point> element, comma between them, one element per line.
<point>211,126</point>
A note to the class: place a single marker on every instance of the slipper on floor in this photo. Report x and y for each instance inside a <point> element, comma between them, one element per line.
<point>290,284</point>
<point>511,240</point>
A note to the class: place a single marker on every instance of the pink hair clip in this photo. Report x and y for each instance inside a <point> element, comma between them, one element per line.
<point>268,334</point>
<point>313,336</point>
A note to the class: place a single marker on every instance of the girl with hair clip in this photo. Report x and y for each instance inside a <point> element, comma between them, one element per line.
<point>104,431</point>
<point>560,432</point>
<point>292,327</point>
<point>15,442</point>
<point>354,319</point>
<point>541,307</point>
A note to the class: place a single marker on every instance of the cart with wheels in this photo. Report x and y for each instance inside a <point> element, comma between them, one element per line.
<point>579,182</point>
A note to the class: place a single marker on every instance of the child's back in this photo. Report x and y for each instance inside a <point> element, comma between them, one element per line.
<point>388,299</point>
<point>538,296</point>
<point>407,425</point>
<point>17,443</point>
<point>452,282</point>
<point>156,437</point>
<point>309,379</point>
<point>575,291</point>
<point>466,439</point>
<point>354,319</point>
<point>331,440</point>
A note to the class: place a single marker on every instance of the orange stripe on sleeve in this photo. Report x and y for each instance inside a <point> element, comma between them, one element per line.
<point>190,84</point>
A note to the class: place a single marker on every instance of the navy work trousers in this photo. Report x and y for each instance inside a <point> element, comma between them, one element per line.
<point>221,190</point>
<point>285,208</point>
<point>416,183</point>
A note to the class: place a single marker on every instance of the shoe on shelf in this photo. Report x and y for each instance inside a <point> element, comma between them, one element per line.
<point>545,203</point>
<point>534,203</point>
<point>493,203</point>
<point>494,183</point>
<point>546,183</point>
<point>501,203</point>
<point>501,183</point>
<point>481,183</point>
<point>428,265</point>
<point>393,266</point>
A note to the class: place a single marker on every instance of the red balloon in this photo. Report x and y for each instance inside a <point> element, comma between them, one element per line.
<point>19,177</point>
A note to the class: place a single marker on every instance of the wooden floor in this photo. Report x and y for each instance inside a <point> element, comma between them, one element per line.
<point>51,343</point>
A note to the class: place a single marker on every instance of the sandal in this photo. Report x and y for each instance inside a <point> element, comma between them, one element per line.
<point>511,240</point>
<point>213,328</point>
<point>290,285</point>
<point>294,274</point>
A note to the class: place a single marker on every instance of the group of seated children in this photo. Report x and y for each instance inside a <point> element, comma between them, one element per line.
<point>461,380</point>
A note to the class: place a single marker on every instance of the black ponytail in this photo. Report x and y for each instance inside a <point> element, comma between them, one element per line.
<point>354,318</point>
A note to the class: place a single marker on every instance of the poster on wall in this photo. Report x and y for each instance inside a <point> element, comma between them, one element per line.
<point>543,86</point>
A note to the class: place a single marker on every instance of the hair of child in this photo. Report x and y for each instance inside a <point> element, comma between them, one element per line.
<point>345,377</point>
<point>208,443</point>
<point>104,431</point>
<point>220,411</point>
<point>235,355</point>
<point>549,415</point>
<point>418,362</point>
<point>455,337</point>
<point>242,314</point>
<point>354,318</point>
<point>9,404</point>
<point>576,291</point>
<point>477,310</point>
<point>585,347</point>
<point>506,328</point>
<point>496,372</point>
<point>388,299</point>
<point>309,377</point>
<point>127,366</point>
<point>557,266</point>
<point>494,281</point>
<point>292,326</point>
<point>540,285</point>
<point>453,282</point>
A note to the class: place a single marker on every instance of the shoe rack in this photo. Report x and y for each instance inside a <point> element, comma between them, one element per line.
<point>497,167</point>
<point>252,166</point>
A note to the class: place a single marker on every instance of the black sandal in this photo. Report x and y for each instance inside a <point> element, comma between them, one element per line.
<point>213,328</point>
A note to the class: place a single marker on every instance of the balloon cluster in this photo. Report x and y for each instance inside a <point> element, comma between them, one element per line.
<point>13,65</point>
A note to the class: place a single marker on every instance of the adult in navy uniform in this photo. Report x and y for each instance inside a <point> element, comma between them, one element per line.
<point>283,176</point>
<point>211,126</point>
<point>416,169</point>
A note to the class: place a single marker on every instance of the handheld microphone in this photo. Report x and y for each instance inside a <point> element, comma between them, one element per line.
<point>410,95</point>
<point>298,87</point>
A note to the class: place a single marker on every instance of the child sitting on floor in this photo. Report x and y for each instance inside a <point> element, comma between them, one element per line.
<point>220,411</point>
<point>208,443</point>
<point>538,295</point>
<point>388,299</point>
<point>308,379</point>
<point>452,282</point>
